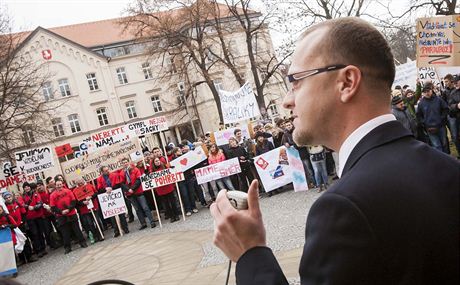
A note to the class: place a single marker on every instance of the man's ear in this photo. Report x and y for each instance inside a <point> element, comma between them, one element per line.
<point>350,78</point>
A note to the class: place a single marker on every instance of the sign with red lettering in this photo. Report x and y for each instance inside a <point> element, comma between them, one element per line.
<point>112,203</point>
<point>438,41</point>
<point>46,54</point>
<point>161,178</point>
<point>107,138</point>
<point>81,193</point>
<point>217,170</point>
<point>149,126</point>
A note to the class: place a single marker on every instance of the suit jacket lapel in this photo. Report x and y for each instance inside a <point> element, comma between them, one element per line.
<point>381,135</point>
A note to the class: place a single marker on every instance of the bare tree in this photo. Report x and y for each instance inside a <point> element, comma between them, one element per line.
<point>24,114</point>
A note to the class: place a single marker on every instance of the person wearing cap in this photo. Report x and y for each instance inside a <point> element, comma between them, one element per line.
<point>432,114</point>
<point>34,218</point>
<point>401,113</point>
<point>453,101</point>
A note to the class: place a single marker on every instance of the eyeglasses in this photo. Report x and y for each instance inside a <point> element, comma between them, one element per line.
<point>307,73</point>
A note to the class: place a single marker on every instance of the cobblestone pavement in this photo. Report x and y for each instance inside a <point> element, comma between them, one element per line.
<point>179,253</point>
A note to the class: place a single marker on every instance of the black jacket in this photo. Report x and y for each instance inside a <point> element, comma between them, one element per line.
<point>453,100</point>
<point>392,218</point>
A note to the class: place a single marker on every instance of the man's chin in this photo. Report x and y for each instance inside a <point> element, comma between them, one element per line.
<point>301,138</point>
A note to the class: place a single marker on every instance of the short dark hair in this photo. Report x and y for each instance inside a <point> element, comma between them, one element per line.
<point>353,41</point>
<point>236,130</point>
<point>449,77</point>
<point>48,179</point>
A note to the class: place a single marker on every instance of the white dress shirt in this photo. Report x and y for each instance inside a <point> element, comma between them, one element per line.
<point>356,136</point>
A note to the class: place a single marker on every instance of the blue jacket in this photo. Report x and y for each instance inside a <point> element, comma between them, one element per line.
<point>432,112</point>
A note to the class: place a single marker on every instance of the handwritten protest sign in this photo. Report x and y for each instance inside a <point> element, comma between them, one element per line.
<point>106,138</point>
<point>217,170</point>
<point>112,203</point>
<point>149,126</point>
<point>161,178</point>
<point>222,137</point>
<point>429,74</point>
<point>240,105</point>
<point>11,175</point>
<point>34,160</point>
<point>438,41</point>
<point>188,160</point>
<point>299,180</point>
<point>273,168</point>
<point>87,167</point>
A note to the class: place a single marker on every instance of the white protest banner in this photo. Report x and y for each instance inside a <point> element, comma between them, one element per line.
<point>438,41</point>
<point>189,159</point>
<point>273,168</point>
<point>34,160</point>
<point>240,105</point>
<point>11,175</point>
<point>106,138</point>
<point>299,180</point>
<point>87,166</point>
<point>7,256</point>
<point>217,170</point>
<point>161,178</point>
<point>149,126</point>
<point>222,137</point>
<point>429,74</point>
<point>112,203</point>
<point>406,74</point>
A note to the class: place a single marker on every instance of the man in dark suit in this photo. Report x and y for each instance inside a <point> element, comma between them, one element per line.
<point>393,217</point>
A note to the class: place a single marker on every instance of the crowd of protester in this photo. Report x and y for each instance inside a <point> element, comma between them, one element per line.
<point>431,113</point>
<point>50,216</point>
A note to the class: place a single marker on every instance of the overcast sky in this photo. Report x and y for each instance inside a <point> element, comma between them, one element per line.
<point>28,14</point>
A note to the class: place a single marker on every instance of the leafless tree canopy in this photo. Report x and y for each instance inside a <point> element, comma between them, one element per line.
<point>24,115</point>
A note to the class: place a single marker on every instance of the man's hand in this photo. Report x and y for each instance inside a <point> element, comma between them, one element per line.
<point>65,212</point>
<point>31,208</point>
<point>130,191</point>
<point>108,189</point>
<point>287,145</point>
<point>85,202</point>
<point>235,232</point>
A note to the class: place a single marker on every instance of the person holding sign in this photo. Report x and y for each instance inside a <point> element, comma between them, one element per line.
<point>34,218</point>
<point>87,202</point>
<point>217,155</point>
<point>166,193</point>
<point>63,203</point>
<point>105,183</point>
<point>130,177</point>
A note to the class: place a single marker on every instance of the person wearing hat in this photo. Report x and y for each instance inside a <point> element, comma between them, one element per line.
<point>401,113</point>
<point>432,114</point>
<point>453,101</point>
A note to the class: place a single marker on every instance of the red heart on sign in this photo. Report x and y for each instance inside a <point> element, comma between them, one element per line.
<point>183,161</point>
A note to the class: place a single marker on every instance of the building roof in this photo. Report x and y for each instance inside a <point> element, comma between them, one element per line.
<point>104,32</point>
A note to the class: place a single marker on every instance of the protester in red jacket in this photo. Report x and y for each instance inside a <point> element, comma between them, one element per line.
<point>14,208</point>
<point>34,218</point>
<point>7,221</point>
<point>130,176</point>
<point>85,206</point>
<point>166,193</point>
<point>106,182</point>
<point>63,203</point>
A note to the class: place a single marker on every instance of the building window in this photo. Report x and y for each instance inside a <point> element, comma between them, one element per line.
<point>102,116</point>
<point>92,81</point>
<point>131,109</point>
<point>156,103</point>
<point>64,87</point>
<point>48,91</point>
<point>274,110</point>
<point>121,74</point>
<point>147,70</point>
<point>28,135</point>
<point>74,123</point>
<point>58,127</point>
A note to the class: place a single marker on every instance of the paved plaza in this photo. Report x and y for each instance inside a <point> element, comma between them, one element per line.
<point>179,253</point>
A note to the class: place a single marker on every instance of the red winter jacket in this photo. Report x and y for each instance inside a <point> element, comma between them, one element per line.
<point>8,220</point>
<point>45,195</point>
<point>135,180</point>
<point>82,208</point>
<point>20,201</point>
<point>15,211</point>
<point>33,199</point>
<point>219,157</point>
<point>114,178</point>
<point>166,189</point>
<point>61,200</point>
